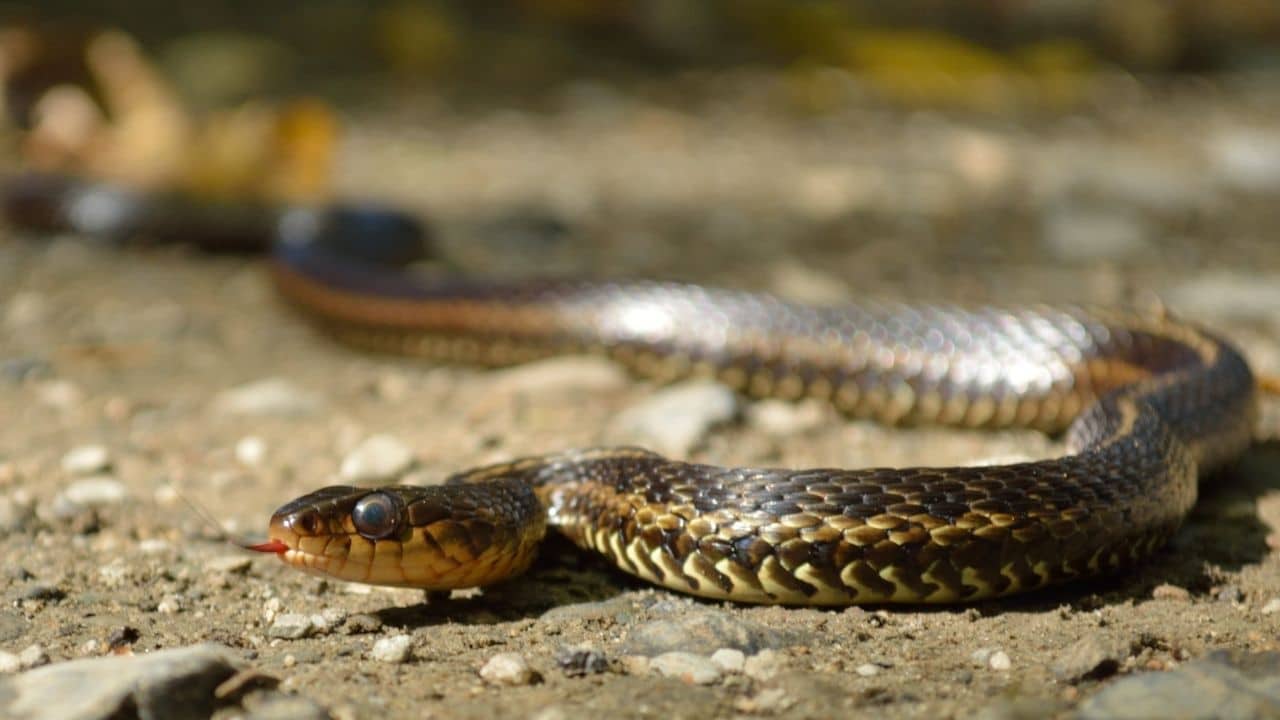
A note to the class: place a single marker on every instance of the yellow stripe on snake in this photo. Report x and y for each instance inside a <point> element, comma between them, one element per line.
<point>1148,405</point>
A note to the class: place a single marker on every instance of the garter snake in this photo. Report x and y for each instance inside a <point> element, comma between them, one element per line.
<point>1148,403</point>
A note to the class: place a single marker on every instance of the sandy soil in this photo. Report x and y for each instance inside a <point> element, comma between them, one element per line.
<point>1160,195</point>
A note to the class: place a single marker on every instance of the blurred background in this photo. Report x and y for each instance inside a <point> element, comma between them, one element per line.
<point>1004,149</point>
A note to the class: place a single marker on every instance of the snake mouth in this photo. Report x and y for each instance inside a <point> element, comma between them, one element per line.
<point>274,545</point>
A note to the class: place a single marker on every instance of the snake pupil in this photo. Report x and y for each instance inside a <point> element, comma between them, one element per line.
<point>376,516</point>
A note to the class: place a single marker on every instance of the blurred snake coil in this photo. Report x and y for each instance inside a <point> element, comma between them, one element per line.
<point>1149,405</point>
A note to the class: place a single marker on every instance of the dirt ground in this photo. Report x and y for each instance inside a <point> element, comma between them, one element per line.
<point>1152,196</point>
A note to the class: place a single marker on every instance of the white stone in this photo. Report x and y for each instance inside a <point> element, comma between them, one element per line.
<point>272,396</point>
<point>290,626</point>
<point>688,667</point>
<point>33,656</point>
<point>1247,159</point>
<point>379,459</point>
<point>86,460</point>
<point>731,660</point>
<point>999,660</point>
<point>507,669</point>
<point>96,491</point>
<point>395,649</point>
<point>9,663</point>
<point>251,450</point>
<point>867,670</point>
<point>1272,606</point>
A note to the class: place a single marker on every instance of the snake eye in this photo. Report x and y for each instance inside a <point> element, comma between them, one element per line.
<point>376,516</point>
<point>308,523</point>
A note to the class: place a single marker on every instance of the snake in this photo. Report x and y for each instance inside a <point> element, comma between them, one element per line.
<point>1149,404</point>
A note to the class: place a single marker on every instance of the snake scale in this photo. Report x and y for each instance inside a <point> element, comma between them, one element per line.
<point>1149,404</point>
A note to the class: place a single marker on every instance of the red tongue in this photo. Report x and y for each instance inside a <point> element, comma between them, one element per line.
<point>270,546</point>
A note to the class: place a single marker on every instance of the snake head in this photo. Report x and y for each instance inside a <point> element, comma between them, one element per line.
<point>434,538</point>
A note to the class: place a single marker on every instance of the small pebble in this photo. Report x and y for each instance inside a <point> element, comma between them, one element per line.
<point>867,670</point>
<point>1229,594</point>
<point>97,491</point>
<point>999,660</point>
<point>762,666</point>
<point>1092,657</point>
<point>60,394</point>
<point>507,669</point>
<point>290,626</point>
<point>251,450</point>
<point>33,656</point>
<point>379,459</point>
<point>765,702</point>
<point>635,664</point>
<point>1170,592</point>
<point>674,420</point>
<point>1272,606</point>
<point>9,663</point>
<point>154,546</point>
<point>581,661</point>
<point>86,460</point>
<point>395,649</point>
<point>326,620</point>
<point>730,660</point>
<point>272,396</point>
<point>688,667</point>
<point>986,657</point>
<point>362,623</point>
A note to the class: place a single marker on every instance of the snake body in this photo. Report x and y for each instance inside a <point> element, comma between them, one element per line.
<point>1148,404</point>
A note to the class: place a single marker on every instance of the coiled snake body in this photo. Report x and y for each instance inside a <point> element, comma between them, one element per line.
<point>1148,405</point>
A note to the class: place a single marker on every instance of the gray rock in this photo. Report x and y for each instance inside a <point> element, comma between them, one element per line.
<point>703,632</point>
<point>619,609</point>
<point>379,459</point>
<point>291,626</point>
<point>674,420</point>
<point>395,649</point>
<point>272,396</point>
<point>12,626</point>
<point>1084,234</point>
<point>1223,685</point>
<point>86,460</point>
<point>688,667</point>
<point>1090,658</point>
<point>173,684</point>
<point>507,669</point>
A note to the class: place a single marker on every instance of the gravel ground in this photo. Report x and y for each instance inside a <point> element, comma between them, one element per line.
<point>132,377</point>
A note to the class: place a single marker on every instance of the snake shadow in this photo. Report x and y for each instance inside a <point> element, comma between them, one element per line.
<point>1225,533</point>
